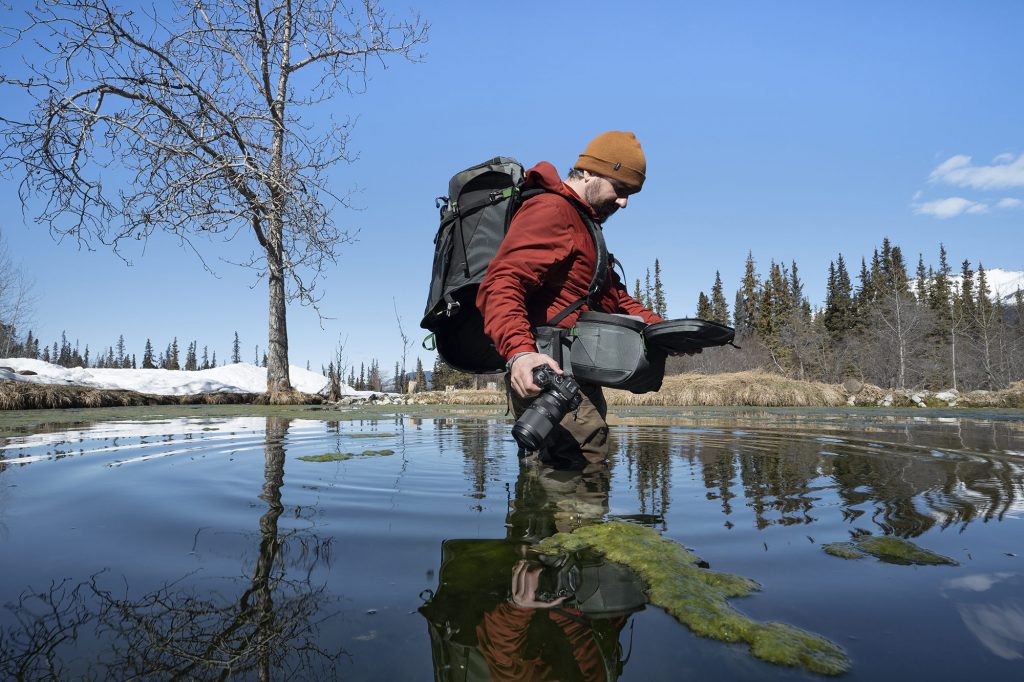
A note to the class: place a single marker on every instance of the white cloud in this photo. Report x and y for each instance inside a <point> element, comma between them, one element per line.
<point>1009,203</point>
<point>1006,170</point>
<point>949,208</point>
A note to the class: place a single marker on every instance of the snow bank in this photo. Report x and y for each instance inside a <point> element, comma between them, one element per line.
<point>237,378</point>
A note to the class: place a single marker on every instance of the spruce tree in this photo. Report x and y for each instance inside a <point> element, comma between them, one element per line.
<point>147,356</point>
<point>213,360</point>
<point>719,307</point>
<point>438,380</point>
<point>236,350</point>
<point>940,294</point>
<point>638,293</point>
<point>374,380</point>
<point>421,376</point>
<point>206,358</point>
<point>660,305</point>
<point>923,282</point>
<point>648,292</point>
<point>704,310</point>
<point>173,356</point>
<point>746,309</point>
<point>966,290</point>
<point>119,358</point>
<point>191,362</point>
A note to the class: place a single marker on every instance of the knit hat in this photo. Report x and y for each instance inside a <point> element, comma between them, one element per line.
<point>617,156</point>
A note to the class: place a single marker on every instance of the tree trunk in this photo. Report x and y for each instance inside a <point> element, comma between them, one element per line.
<point>278,380</point>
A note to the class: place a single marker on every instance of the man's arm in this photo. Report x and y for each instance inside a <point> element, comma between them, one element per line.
<point>539,241</point>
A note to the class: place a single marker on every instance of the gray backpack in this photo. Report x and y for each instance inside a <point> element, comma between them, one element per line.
<point>475,217</point>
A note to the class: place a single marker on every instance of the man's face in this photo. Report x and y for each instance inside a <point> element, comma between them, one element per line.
<point>604,196</point>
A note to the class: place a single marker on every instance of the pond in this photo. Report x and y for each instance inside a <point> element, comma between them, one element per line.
<point>184,545</point>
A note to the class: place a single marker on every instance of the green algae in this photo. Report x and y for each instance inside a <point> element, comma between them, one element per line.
<point>696,597</point>
<point>345,456</point>
<point>843,550</point>
<point>899,551</point>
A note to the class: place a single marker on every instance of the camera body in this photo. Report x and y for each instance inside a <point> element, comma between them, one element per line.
<point>561,395</point>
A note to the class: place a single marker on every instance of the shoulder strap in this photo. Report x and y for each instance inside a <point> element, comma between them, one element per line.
<point>600,271</point>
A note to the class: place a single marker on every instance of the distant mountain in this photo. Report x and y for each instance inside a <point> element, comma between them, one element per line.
<point>1002,283</point>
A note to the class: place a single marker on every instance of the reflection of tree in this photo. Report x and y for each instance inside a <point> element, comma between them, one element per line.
<point>906,474</point>
<point>650,466</point>
<point>270,631</point>
<point>777,482</point>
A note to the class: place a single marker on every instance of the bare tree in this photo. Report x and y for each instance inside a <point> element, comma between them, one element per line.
<point>203,109</point>
<point>16,300</point>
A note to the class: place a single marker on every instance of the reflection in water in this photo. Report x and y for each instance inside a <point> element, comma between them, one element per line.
<point>269,632</point>
<point>502,613</point>
<point>992,609</point>
<point>781,477</point>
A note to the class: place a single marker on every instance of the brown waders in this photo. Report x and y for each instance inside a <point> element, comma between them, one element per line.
<point>581,438</point>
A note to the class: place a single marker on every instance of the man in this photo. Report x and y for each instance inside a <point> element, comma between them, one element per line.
<point>545,263</point>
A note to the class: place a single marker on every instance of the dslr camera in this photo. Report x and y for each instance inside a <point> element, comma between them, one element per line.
<point>561,395</point>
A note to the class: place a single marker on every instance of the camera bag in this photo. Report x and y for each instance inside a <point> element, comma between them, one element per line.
<point>610,350</point>
<point>621,351</point>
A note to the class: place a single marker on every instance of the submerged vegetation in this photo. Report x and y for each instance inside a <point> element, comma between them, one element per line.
<point>697,597</point>
<point>345,456</point>
<point>889,549</point>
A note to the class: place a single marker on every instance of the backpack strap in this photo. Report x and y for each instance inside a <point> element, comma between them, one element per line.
<point>603,257</point>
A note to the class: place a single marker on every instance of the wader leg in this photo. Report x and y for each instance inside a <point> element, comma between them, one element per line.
<point>581,438</point>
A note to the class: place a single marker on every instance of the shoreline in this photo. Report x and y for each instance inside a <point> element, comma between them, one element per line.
<point>738,389</point>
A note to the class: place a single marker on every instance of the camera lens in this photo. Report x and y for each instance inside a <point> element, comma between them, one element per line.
<point>536,422</point>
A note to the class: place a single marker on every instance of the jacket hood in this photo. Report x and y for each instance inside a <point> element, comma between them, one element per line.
<point>545,176</point>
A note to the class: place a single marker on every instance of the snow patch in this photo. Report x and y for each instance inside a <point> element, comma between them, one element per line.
<point>237,378</point>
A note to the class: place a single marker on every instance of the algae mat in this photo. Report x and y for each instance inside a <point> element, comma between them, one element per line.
<point>697,597</point>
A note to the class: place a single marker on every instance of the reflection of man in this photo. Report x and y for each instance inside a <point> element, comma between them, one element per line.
<point>546,264</point>
<point>527,638</point>
<point>491,619</point>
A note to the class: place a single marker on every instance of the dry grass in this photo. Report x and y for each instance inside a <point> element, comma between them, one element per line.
<point>757,389</point>
<point>739,389</point>
<point>21,395</point>
<point>465,396</point>
<point>1012,396</point>
<point>286,398</point>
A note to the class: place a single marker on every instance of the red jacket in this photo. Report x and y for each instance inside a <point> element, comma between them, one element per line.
<point>546,263</point>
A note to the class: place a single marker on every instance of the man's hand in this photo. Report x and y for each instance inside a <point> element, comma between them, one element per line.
<point>525,579</point>
<point>522,373</point>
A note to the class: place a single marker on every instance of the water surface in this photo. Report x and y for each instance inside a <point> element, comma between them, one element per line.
<point>201,547</point>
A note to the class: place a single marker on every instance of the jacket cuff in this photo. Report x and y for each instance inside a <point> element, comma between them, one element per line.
<point>524,348</point>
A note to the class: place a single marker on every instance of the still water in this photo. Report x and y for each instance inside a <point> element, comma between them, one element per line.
<point>208,548</point>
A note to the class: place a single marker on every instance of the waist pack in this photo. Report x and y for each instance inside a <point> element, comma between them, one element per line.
<point>621,351</point>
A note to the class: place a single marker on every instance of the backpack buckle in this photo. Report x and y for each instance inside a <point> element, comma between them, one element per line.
<point>452,308</point>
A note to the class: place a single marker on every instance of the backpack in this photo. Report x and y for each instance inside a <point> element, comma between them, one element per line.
<point>475,216</point>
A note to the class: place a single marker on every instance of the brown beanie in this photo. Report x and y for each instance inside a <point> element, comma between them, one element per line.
<point>617,156</point>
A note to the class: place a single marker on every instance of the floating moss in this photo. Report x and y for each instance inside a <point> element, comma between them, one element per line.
<point>328,457</point>
<point>343,456</point>
<point>843,550</point>
<point>900,551</point>
<point>697,597</point>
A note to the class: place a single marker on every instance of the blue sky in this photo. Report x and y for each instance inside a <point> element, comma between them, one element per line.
<point>795,130</point>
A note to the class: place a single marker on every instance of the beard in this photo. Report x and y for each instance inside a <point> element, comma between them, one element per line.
<point>603,206</point>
